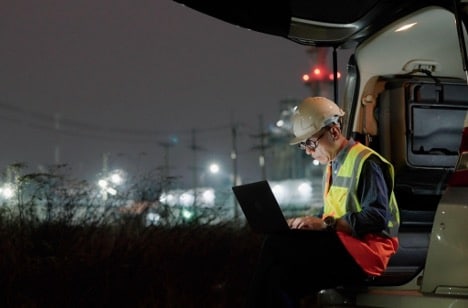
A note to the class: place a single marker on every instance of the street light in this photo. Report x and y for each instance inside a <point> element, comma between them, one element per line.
<point>213,168</point>
<point>215,175</point>
<point>7,191</point>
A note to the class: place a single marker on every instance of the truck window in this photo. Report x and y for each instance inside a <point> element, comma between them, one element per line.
<point>435,135</point>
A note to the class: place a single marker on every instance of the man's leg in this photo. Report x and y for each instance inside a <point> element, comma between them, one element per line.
<point>298,263</point>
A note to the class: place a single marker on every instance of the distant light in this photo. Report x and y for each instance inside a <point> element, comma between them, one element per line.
<point>214,168</point>
<point>317,73</point>
<point>261,161</point>
<point>208,197</point>
<point>187,214</point>
<point>279,192</point>
<point>171,200</point>
<point>111,191</point>
<point>102,183</point>
<point>116,178</point>
<point>406,27</point>
<point>168,199</point>
<point>332,76</point>
<point>280,123</point>
<point>174,139</point>
<point>152,218</point>
<point>7,191</point>
<point>304,189</point>
<point>315,162</point>
<point>186,199</point>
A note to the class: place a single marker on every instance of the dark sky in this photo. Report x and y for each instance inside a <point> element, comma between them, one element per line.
<point>83,78</point>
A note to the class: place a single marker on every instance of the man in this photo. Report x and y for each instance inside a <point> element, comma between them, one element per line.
<point>357,233</point>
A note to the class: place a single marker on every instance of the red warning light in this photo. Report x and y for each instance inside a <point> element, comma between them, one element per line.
<point>317,72</point>
<point>330,76</point>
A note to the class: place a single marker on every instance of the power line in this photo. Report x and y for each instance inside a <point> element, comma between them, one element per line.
<point>75,128</point>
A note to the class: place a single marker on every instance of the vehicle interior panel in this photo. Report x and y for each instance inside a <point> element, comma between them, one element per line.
<point>420,176</point>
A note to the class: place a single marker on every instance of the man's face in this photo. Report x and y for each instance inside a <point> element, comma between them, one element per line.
<point>321,148</point>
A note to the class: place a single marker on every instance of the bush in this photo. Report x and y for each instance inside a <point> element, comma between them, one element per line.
<point>56,264</point>
<point>63,245</point>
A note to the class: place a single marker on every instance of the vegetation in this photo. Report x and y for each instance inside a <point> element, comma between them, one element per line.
<point>60,265</point>
<point>60,247</point>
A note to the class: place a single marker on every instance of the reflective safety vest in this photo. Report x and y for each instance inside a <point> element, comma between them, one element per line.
<point>341,197</point>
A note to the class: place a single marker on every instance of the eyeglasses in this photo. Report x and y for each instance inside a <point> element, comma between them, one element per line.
<point>311,144</point>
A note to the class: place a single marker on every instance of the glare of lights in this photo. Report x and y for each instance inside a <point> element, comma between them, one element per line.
<point>187,214</point>
<point>294,193</point>
<point>304,189</point>
<point>332,76</point>
<point>279,192</point>
<point>7,191</point>
<point>261,160</point>
<point>108,183</point>
<point>208,197</point>
<point>214,168</point>
<point>280,123</point>
<point>186,199</point>
<point>116,178</point>
<point>102,183</point>
<point>205,197</point>
<point>111,191</point>
<point>152,218</point>
<point>168,198</point>
<point>317,71</point>
<point>305,77</point>
<point>406,27</point>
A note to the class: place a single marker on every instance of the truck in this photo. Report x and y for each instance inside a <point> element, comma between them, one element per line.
<point>406,93</point>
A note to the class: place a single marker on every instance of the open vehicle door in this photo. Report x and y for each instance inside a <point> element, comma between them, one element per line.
<point>406,94</point>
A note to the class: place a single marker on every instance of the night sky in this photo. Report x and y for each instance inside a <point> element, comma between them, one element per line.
<point>83,78</point>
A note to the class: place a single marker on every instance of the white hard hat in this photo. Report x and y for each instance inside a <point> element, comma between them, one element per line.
<point>312,115</point>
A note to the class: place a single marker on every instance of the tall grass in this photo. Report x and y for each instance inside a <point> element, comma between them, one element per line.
<point>55,254</point>
<point>58,265</point>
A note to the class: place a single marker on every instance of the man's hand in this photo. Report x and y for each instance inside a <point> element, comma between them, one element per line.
<point>307,222</point>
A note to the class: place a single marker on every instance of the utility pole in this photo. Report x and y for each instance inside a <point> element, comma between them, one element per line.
<point>166,167</point>
<point>57,157</point>
<point>194,147</point>
<point>105,162</point>
<point>234,165</point>
<point>262,147</point>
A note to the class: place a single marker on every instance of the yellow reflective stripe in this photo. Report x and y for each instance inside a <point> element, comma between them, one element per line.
<point>348,176</point>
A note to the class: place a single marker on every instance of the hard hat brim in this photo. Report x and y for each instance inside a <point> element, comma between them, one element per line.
<point>298,139</point>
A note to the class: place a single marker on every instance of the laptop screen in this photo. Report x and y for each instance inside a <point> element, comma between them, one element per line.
<point>260,207</point>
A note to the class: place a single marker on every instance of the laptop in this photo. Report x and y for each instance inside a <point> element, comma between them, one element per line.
<point>260,207</point>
